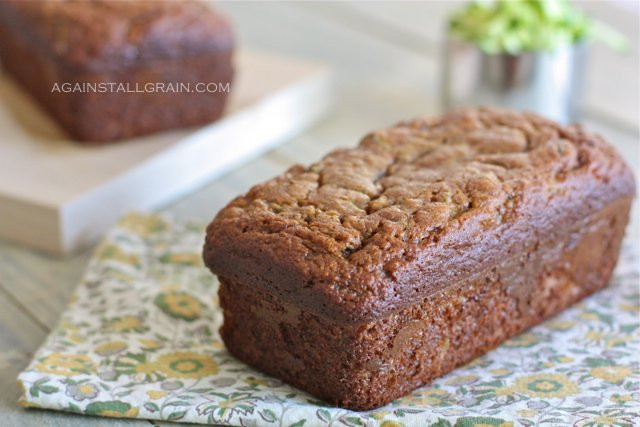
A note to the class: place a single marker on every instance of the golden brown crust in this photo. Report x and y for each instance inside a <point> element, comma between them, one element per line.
<point>412,209</point>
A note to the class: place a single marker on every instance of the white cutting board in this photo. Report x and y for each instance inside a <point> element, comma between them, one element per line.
<point>58,195</point>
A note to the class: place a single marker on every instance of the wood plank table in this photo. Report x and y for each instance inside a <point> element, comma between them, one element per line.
<point>386,58</point>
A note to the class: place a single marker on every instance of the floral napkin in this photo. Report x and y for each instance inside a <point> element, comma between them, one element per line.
<point>140,339</point>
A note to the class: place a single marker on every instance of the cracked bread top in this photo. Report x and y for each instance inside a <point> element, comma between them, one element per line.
<point>102,34</point>
<point>413,208</point>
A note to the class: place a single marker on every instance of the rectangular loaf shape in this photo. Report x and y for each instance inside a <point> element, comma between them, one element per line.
<point>109,70</point>
<point>382,267</point>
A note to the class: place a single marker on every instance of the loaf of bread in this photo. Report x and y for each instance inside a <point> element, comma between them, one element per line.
<point>382,267</point>
<point>109,70</point>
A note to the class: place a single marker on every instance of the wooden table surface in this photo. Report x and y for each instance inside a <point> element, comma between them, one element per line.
<point>386,59</point>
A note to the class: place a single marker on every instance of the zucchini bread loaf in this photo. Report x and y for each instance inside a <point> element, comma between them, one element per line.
<point>382,267</point>
<point>109,70</point>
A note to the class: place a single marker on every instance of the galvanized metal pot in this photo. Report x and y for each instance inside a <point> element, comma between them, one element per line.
<point>547,83</point>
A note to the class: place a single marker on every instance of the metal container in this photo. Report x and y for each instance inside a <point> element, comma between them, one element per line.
<point>547,83</point>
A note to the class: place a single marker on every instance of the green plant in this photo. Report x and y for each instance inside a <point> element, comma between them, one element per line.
<point>515,26</point>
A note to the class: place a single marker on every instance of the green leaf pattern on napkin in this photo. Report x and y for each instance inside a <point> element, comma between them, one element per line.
<point>140,339</point>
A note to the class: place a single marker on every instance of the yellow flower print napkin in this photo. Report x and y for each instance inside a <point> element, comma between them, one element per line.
<point>140,339</point>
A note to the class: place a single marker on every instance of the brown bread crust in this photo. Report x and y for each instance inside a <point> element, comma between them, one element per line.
<point>367,365</point>
<point>412,210</point>
<point>129,43</point>
<point>382,267</point>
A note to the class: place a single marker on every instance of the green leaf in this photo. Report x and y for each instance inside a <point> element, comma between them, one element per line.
<point>71,407</point>
<point>594,363</point>
<point>606,318</point>
<point>317,402</point>
<point>495,383</point>
<point>629,328</point>
<point>220,395</point>
<point>140,357</point>
<point>474,421</point>
<point>556,421</point>
<point>298,423</point>
<point>324,415</point>
<point>441,423</point>
<point>97,408</point>
<point>151,407</point>
<point>176,415</point>
<point>412,411</point>
<point>185,396</point>
<point>178,403</point>
<point>355,421</point>
<point>268,415</point>
<point>48,389</point>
